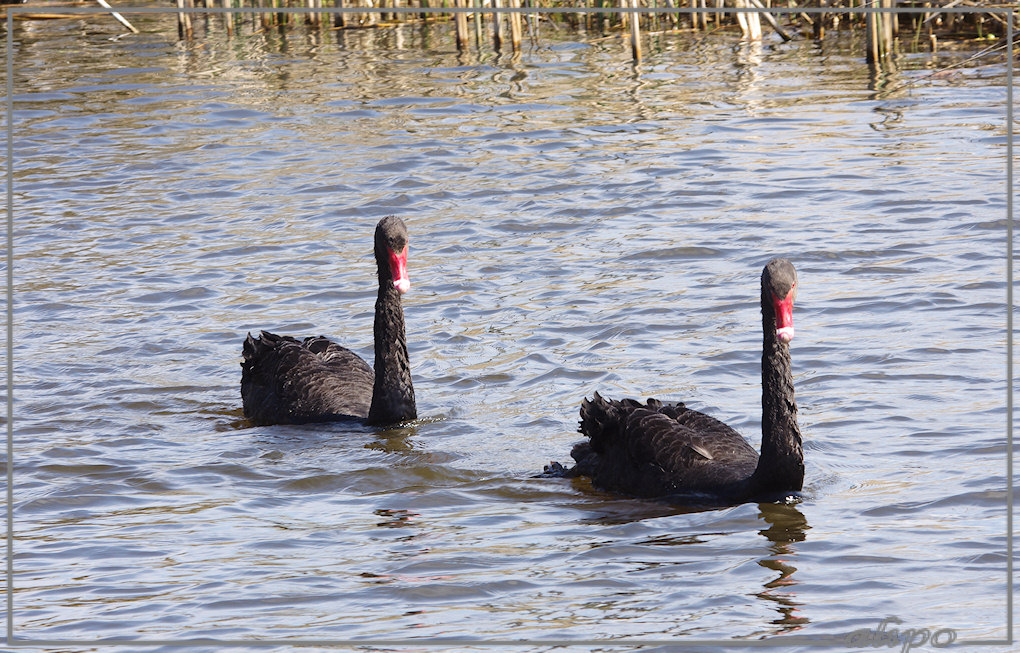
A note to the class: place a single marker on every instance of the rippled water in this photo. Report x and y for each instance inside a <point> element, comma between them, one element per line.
<point>577,224</point>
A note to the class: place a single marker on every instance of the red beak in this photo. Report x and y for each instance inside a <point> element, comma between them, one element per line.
<point>398,270</point>
<point>784,316</point>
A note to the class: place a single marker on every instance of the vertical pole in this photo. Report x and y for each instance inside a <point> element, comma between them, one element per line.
<point>497,27</point>
<point>879,31</point>
<point>183,22</point>
<point>750,23</point>
<point>635,30</point>
<point>228,18</point>
<point>478,24</point>
<point>460,20</point>
<point>887,28</point>
<point>741,17</point>
<point>515,26</point>
<point>871,29</point>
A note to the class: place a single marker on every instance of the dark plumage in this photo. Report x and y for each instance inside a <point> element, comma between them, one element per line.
<point>287,381</point>
<point>656,449</point>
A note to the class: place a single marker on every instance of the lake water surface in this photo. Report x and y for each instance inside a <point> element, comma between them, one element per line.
<point>577,224</point>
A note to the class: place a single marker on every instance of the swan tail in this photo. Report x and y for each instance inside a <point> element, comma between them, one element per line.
<point>255,348</point>
<point>596,414</point>
<point>250,351</point>
<point>604,420</point>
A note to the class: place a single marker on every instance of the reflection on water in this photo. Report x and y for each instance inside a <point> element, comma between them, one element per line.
<point>578,224</point>
<point>787,526</point>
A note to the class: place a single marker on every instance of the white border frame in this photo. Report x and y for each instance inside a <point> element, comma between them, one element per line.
<point>776,641</point>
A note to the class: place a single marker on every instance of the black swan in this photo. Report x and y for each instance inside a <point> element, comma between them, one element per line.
<point>657,449</point>
<point>287,381</point>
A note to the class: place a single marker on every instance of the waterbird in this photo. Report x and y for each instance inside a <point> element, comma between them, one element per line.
<point>662,449</point>
<point>287,381</point>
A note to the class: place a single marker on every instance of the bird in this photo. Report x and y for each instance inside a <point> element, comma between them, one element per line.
<point>664,449</point>
<point>289,381</point>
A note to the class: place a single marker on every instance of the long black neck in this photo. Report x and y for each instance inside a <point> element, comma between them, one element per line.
<point>781,464</point>
<point>393,393</point>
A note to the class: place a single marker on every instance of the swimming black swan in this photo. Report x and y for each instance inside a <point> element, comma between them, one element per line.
<point>657,449</point>
<point>287,381</point>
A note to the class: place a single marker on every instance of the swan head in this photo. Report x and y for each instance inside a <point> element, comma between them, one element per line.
<point>391,253</point>
<point>779,290</point>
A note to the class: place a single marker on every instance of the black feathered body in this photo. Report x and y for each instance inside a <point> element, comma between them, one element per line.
<point>655,449</point>
<point>290,381</point>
